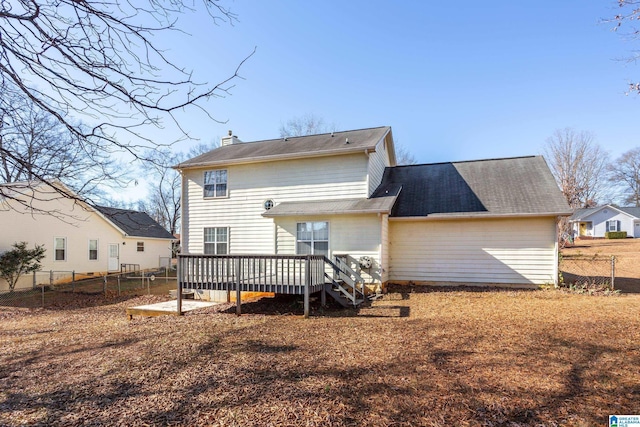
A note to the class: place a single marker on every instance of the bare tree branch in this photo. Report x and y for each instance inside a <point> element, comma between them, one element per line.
<point>624,174</point>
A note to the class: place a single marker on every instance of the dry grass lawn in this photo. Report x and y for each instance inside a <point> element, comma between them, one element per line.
<point>435,358</point>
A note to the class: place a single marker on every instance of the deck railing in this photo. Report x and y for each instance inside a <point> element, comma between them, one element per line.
<point>288,274</point>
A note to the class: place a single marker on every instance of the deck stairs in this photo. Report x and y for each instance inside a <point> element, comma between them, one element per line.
<point>345,285</point>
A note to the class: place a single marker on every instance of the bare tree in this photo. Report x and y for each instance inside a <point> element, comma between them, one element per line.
<point>578,165</point>
<point>33,145</point>
<point>624,174</point>
<point>404,156</point>
<point>164,201</point>
<point>308,124</point>
<point>99,62</point>
<point>628,16</point>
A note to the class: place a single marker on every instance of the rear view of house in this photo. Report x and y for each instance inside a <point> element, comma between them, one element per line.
<point>341,194</point>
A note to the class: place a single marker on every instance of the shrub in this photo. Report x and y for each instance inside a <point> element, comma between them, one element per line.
<point>615,235</point>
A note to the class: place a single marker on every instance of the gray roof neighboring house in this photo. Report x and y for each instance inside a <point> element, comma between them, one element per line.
<point>496,187</point>
<point>582,213</point>
<point>134,223</point>
<point>324,144</point>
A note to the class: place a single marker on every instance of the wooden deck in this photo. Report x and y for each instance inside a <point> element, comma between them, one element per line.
<point>283,274</point>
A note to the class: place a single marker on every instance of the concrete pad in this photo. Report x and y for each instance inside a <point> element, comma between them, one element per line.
<point>167,307</point>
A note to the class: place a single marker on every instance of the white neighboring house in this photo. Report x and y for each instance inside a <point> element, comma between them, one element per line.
<point>595,222</point>
<point>489,221</point>
<point>89,240</point>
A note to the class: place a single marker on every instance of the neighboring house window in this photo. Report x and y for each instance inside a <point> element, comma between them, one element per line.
<point>93,249</point>
<point>216,241</point>
<point>215,183</point>
<point>60,248</point>
<point>613,225</point>
<point>312,238</point>
<point>140,247</point>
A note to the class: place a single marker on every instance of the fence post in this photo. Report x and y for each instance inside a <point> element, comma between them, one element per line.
<point>104,285</point>
<point>119,283</point>
<point>73,281</point>
<point>42,295</point>
<point>51,278</point>
<point>613,271</point>
<point>34,280</point>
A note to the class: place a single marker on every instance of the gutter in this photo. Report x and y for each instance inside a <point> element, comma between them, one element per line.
<point>454,216</point>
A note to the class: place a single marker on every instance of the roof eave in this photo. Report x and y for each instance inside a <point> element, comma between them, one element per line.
<point>272,158</point>
<point>347,212</point>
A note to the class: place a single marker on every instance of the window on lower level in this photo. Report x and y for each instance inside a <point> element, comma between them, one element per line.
<point>216,241</point>
<point>93,249</point>
<point>613,225</point>
<point>60,248</point>
<point>312,238</point>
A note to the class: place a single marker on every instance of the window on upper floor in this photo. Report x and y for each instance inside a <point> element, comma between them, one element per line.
<point>215,183</point>
<point>216,241</point>
<point>140,246</point>
<point>312,238</point>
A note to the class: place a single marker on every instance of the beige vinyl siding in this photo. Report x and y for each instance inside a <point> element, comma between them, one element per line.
<point>378,160</point>
<point>355,235</point>
<point>336,177</point>
<point>518,251</point>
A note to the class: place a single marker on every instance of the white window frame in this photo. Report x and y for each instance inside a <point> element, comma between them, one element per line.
<point>55,249</point>
<point>313,241</point>
<point>140,246</point>
<point>97,249</point>
<point>213,178</point>
<point>613,223</point>
<point>215,242</point>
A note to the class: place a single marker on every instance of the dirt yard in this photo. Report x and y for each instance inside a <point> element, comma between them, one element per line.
<point>599,253</point>
<point>421,357</point>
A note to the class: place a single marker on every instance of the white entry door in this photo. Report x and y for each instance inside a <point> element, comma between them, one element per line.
<point>114,257</point>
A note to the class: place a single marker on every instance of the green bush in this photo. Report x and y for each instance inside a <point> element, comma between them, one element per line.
<point>615,235</point>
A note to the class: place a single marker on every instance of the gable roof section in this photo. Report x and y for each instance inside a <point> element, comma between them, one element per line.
<point>522,186</point>
<point>325,144</point>
<point>134,223</point>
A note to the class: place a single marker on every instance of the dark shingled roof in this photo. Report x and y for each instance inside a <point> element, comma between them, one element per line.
<point>291,147</point>
<point>514,186</point>
<point>134,223</point>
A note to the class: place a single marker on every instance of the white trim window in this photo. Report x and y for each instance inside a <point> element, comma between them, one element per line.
<point>312,238</point>
<point>613,225</point>
<point>93,249</point>
<point>216,240</point>
<point>215,183</point>
<point>139,246</point>
<point>60,248</point>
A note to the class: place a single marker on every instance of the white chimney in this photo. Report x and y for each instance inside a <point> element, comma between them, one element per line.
<point>230,139</point>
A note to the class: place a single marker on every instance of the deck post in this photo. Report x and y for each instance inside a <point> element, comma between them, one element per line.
<point>323,297</point>
<point>307,274</point>
<point>179,271</point>
<point>238,279</point>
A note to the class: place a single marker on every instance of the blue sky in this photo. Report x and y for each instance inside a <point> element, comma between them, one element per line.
<point>455,80</point>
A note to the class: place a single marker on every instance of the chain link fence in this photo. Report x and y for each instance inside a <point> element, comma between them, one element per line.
<point>600,272</point>
<point>49,288</point>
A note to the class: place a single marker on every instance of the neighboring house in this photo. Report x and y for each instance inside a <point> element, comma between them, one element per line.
<point>488,221</point>
<point>79,237</point>
<point>595,222</point>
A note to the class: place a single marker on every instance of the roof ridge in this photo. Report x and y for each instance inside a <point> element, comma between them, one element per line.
<point>289,138</point>
<point>470,161</point>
